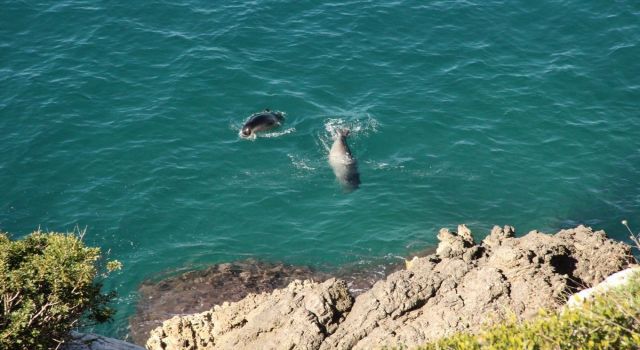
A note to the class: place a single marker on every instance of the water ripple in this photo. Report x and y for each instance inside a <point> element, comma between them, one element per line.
<point>123,117</point>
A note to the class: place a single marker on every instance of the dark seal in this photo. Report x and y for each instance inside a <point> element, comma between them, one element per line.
<point>261,121</point>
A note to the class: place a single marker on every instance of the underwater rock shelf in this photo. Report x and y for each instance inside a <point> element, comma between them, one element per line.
<point>462,286</point>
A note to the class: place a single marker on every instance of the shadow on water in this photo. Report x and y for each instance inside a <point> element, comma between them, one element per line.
<point>196,291</point>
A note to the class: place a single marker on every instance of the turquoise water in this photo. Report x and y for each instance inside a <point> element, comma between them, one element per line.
<point>123,118</point>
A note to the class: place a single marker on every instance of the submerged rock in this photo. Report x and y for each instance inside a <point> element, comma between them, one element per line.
<point>299,316</point>
<point>198,291</point>
<point>460,288</point>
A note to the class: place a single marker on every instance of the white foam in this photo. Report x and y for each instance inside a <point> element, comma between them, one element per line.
<point>356,126</point>
<point>300,163</point>
<point>270,134</point>
<point>251,137</point>
<point>277,133</point>
<point>384,165</point>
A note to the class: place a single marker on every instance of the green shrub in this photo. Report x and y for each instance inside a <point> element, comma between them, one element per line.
<point>609,321</point>
<point>47,284</point>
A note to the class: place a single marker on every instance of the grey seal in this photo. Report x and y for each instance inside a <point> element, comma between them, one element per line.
<point>261,121</point>
<point>344,165</point>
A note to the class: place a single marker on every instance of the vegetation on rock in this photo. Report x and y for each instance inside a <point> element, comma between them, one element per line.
<point>47,287</point>
<point>465,285</point>
<point>609,321</point>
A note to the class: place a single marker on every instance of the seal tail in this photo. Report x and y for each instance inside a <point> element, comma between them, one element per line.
<point>343,132</point>
<point>339,133</point>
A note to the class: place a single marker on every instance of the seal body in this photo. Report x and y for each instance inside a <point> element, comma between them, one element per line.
<point>261,121</point>
<point>344,165</point>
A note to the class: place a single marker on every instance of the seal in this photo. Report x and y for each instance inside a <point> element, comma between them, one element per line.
<point>344,165</point>
<point>261,121</point>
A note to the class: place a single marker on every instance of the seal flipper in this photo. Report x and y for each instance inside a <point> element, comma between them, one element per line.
<point>341,132</point>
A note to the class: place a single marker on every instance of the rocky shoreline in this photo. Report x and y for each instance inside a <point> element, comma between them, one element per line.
<point>461,287</point>
<point>197,291</point>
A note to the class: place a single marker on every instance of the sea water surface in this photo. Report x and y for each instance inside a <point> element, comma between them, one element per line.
<point>122,118</point>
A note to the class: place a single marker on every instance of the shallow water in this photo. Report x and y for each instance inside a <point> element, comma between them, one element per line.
<point>191,292</point>
<point>123,118</point>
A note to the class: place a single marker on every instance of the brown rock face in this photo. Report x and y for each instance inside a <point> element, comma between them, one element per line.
<point>198,291</point>
<point>461,287</point>
<point>297,317</point>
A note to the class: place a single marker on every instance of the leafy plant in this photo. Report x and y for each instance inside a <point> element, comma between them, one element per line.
<point>609,321</point>
<point>47,284</point>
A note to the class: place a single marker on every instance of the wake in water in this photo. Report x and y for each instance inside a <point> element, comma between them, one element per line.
<point>277,133</point>
<point>273,134</point>
<point>302,163</point>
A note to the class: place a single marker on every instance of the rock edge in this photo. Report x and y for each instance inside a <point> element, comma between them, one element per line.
<point>461,287</point>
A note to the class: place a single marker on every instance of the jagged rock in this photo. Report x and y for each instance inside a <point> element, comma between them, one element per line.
<point>461,287</point>
<point>198,291</point>
<point>454,244</point>
<point>498,234</point>
<point>299,316</point>
<point>595,256</point>
<point>447,292</point>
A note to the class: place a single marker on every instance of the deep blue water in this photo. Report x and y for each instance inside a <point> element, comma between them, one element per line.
<point>123,118</point>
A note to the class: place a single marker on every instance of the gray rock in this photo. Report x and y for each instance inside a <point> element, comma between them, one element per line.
<point>453,291</point>
<point>198,291</point>
<point>297,317</point>
<point>460,288</point>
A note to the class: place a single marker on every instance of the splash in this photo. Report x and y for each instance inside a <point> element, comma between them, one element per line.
<point>364,126</point>
<point>300,163</point>
<point>270,134</point>
<point>381,165</point>
<point>358,127</point>
<point>276,133</point>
